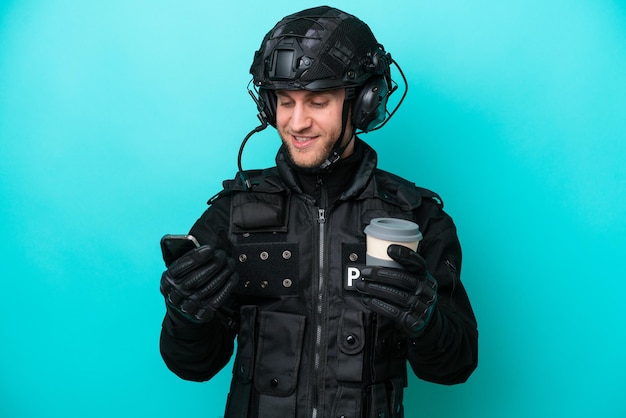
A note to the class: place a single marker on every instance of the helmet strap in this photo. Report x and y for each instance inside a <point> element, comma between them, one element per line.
<point>339,148</point>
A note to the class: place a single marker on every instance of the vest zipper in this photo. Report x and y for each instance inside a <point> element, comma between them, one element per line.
<point>320,311</point>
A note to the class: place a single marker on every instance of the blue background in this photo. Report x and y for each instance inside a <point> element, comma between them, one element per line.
<point>119,119</point>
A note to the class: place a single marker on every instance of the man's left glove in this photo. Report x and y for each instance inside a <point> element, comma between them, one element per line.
<point>407,295</point>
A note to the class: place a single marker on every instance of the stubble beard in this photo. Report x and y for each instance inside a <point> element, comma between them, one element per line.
<point>308,158</point>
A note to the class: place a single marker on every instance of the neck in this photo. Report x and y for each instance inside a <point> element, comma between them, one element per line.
<point>334,180</point>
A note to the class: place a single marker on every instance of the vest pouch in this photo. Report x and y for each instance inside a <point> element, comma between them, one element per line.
<point>351,343</point>
<point>259,212</point>
<point>350,340</point>
<point>278,355</point>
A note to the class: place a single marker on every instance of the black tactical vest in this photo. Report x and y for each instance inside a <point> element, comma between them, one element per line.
<point>306,345</point>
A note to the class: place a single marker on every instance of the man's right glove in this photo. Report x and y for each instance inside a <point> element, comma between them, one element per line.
<point>406,295</point>
<point>199,282</point>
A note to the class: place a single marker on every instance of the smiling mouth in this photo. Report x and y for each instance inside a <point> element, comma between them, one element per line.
<point>302,142</point>
<point>302,138</point>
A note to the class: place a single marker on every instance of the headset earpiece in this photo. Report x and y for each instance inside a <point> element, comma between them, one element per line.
<point>267,105</point>
<point>370,104</point>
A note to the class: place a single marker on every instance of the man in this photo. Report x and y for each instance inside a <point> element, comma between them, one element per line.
<point>277,245</point>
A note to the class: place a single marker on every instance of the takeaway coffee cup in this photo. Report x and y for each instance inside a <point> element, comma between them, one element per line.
<point>382,232</point>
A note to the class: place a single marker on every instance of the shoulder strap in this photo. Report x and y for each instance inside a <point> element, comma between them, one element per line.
<point>265,180</point>
<point>400,192</point>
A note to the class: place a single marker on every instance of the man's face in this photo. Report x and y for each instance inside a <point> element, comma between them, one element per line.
<point>309,123</point>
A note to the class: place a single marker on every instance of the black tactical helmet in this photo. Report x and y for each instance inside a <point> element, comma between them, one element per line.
<point>316,49</point>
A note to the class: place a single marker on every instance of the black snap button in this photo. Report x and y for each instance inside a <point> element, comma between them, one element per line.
<point>274,382</point>
<point>351,340</point>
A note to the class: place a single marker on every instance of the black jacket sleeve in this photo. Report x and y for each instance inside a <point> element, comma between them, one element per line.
<point>198,352</point>
<point>195,352</point>
<point>447,352</point>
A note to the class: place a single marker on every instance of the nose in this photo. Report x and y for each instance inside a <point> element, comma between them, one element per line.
<point>300,119</point>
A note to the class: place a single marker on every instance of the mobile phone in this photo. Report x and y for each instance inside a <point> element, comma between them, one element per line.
<point>174,246</point>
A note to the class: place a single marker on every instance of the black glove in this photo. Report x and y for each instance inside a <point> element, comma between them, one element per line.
<point>406,295</point>
<point>199,282</point>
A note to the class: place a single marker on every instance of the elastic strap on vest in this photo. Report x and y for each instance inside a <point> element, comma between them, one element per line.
<point>378,406</point>
<point>349,402</point>
<point>396,407</point>
<point>243,369</point>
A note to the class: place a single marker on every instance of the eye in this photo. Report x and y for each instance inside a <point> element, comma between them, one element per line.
<point>319,103</point>
<point>284,102</point>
